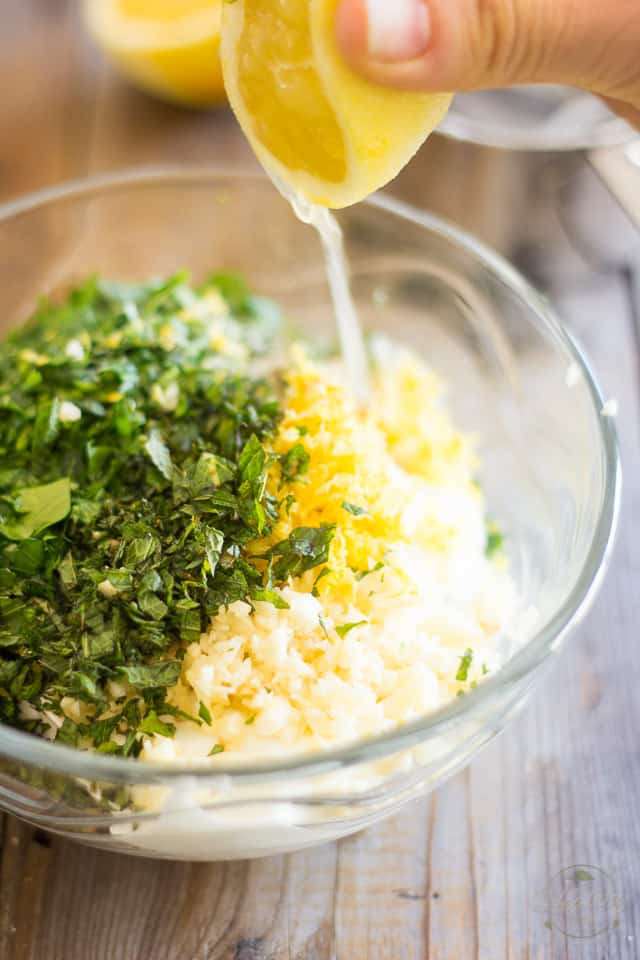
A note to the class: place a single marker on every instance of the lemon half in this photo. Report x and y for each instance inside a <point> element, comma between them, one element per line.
<point>321,129</point>
<point>170,48</point>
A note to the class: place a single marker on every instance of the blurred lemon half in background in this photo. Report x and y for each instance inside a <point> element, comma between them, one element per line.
<point>322,130</point>
<point>167,47</point>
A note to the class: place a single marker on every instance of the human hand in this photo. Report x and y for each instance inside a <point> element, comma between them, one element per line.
<point>437,45</point>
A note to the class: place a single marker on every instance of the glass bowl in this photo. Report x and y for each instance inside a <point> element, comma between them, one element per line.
<point>517,380</point>
<point>542,117</point>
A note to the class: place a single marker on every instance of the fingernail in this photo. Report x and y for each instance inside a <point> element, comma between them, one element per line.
<point>398,30</point>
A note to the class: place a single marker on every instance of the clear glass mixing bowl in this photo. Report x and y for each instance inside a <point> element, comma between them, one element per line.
<point>549,467</point>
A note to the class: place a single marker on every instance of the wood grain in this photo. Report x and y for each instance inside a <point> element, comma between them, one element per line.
<point>464,874</point>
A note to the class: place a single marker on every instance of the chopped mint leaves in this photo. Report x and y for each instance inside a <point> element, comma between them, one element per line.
<point>205,714</point>
<point>346,628</point>
<point>30,510</point>
<point>294,463</point>
<point>323,573</point>
<point>152,675</point>
<point>304,549</point>
<point>133,478</point>
<point>269,596</point>
<point>354,510</point>
<point>361,574</point>
<point>495,540</point>
<point>152,724</point>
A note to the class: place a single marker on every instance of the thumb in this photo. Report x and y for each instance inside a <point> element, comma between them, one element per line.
<point>436,45</point>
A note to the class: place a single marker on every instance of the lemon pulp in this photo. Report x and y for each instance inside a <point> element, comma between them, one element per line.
<point>283,93</point>
<point>328,134</point>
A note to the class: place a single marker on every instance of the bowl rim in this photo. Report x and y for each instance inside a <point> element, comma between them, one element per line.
<point>27,748</point>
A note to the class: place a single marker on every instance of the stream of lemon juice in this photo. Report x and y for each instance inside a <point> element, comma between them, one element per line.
<point>350,334</point>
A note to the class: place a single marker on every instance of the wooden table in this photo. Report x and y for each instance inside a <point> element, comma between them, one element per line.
<point>459,875</point>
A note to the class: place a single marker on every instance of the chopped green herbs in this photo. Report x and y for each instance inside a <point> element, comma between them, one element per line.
<point>151,724</point>
<point>215,749</point>
<point>323,573</point>
<point>465,663</point>
<point>269,596</point>
<point>361,574</point>
<point>354,510</point>
<point>346,628</point>
<point>36,508</point>
<point>304,549</point>
<point>294,463</point>
<point>152,675</point>
<point>133,466</point>
<point>204,714</point>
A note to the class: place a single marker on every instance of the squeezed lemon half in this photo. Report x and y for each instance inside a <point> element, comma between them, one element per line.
<point>321,129</point>
<point>170,48</point>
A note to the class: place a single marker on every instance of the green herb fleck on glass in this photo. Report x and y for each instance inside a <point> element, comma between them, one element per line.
<point>465,663</point>
<point>495,540</point>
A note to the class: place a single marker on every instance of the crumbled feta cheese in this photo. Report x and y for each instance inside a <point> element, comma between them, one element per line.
<point>75,351</point>
<point>160,749</point>
<point>107,589</point>
<point>166,398</point>
<point>69,412</point>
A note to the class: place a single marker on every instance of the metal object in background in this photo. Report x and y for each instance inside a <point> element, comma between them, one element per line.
<point>547,118</point>
<point>535,118</point>
<point>619,168</point>
<point>516,201</point>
